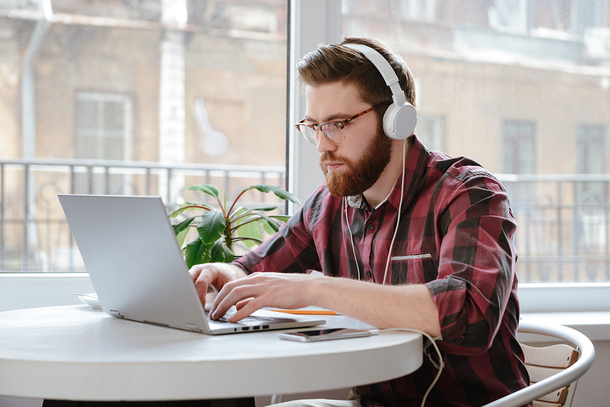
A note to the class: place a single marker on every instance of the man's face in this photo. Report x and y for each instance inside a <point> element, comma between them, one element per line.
<point>354,166</point>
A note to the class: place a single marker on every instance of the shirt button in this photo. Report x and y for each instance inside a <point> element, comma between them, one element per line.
<point>371,227</point>
<point>369,274</point>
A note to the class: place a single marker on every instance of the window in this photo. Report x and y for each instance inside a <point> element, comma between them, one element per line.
<point>513,82</point>
<point>431,129</point>
<point>131,97</point>
<point>417,9</point>
<point>519,140</point>
<point>591,196</point>
<point>590,159</point>
<point>103,132</point>
<point>519,156</point>
<point>509,14</point>
<point>539,62</point>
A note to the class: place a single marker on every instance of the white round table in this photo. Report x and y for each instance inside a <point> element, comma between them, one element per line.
<point>77,353</point>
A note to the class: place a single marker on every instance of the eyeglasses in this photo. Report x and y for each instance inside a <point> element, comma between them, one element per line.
<point>333,130</point>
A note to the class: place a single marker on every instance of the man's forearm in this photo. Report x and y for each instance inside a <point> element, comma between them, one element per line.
<point>403,306</point>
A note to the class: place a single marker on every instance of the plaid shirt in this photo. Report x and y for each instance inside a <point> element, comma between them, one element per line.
<point>455,236</point>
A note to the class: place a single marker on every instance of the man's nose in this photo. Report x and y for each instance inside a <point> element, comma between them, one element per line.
<point>325,144</point>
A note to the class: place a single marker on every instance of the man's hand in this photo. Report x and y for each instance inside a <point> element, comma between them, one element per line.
<point>383,306</point>
<point>260,290</point>
<point>213,274</point>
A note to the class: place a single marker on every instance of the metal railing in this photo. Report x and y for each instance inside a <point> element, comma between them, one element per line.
<point>563,221</point>
<point>563,232</point>
<point>34,236</point>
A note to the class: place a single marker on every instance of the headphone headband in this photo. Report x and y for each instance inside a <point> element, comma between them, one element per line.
<point>385,69</point>
<point>400,118</point>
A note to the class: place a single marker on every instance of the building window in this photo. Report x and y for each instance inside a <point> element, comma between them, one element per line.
<point>103,132</point>
<point>519,140</point>
<point>591,196</point>
<point>431,130</point>
<point>590,159</point>
<point>418,9</point>
<point>519,156</point>
<point>510,15</point>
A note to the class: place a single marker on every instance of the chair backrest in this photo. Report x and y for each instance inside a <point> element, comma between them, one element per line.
<point>544,362</point>
<point>554,370</point>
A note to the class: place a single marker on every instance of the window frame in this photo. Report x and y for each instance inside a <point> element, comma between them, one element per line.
<point>310,23</point>
<point>127,129</point>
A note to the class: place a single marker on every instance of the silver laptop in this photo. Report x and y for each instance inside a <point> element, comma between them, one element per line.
<point>137,269</point>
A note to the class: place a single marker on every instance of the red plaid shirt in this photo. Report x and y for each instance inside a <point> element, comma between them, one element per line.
<point>455,236</point>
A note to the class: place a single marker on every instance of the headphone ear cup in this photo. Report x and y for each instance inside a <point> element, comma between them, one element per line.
<point>399,121</point>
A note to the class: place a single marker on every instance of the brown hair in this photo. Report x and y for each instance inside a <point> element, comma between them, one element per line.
<point>336,63</point>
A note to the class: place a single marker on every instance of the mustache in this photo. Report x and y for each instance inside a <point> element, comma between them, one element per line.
<point>329,156</point>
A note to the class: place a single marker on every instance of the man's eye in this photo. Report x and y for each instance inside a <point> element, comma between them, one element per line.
<point>339,124</point>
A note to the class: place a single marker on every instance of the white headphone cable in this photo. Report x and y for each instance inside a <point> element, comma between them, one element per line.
<point>351,237</point>
<point>438,352</point>
<point>402,193</point>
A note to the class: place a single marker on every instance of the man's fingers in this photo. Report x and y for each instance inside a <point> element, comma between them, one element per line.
<point>242,303</point>
<point>203,276</point>
<point>201,285</point>
<point>232,293</point>
<point>246,310</point>
<point>195,271</point>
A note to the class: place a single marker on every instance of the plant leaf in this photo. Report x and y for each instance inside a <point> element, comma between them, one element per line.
<point>181,229</point>
<point>241,211</point>
<point>208,189</point>
<point>282,218</point>
<point>250,230</point>
<point>265,209</point>
<point>189,206</point>
<point>246,239</point>
<point>277,191</point>
<point>197,253</point>
<point>220,253</point>
<point>271,223</point>
<point>211,227</point>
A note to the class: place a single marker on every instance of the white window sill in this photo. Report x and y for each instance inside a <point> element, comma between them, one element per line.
<point>33,290</point>
<point>594,325</point>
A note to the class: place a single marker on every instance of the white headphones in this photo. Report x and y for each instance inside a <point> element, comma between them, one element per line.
<point>400,118</point>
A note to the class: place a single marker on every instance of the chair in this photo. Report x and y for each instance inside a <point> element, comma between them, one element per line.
<point>554,370</point>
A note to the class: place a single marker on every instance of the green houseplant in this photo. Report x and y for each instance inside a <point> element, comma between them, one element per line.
<point>218,229</point>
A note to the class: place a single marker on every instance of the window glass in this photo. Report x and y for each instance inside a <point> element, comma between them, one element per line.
<point>139,97</point>
<point>522,87</point>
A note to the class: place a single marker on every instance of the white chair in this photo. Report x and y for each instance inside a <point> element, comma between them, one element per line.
<point>554,370</point>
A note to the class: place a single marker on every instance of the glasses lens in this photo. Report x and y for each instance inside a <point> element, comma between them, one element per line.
<point>308,133</point>
<point>332,132</point>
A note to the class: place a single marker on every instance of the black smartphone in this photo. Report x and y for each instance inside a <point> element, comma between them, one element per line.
<point>316,335</point>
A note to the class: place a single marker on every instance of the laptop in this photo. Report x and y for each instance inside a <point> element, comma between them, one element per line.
<point>136,266</point>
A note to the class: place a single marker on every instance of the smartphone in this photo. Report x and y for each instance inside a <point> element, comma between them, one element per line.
<point>316,335</point>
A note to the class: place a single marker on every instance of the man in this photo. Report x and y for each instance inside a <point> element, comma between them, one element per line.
<point>423,241</point>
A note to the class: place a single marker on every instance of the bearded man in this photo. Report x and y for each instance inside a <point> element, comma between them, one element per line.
<point>403,237</point>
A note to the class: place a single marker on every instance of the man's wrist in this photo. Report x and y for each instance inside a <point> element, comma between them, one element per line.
<point>236,271</point>
<point>317,289</point>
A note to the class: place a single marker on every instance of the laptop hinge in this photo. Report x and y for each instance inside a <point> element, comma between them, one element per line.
<point>116,313</point>
<point>193,327</point>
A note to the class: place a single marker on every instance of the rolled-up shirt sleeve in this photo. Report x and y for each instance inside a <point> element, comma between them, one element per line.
<point>292,249</point>
<point>476,272</point>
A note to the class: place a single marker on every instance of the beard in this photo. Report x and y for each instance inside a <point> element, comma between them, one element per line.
<point>358,175</point>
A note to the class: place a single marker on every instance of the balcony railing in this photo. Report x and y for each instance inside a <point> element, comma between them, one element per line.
<point>563,232</point>
<point>563,221</point>
<point>34,236</point>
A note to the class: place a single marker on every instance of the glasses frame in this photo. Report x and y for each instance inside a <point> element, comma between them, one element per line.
<point>338,123</point>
